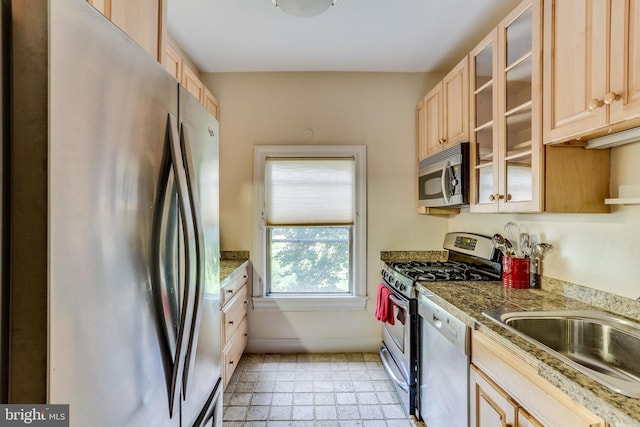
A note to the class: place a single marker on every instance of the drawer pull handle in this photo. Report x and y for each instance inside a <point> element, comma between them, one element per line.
<point>230,291</point>
<point>231,362</point>
<point>231,322</point>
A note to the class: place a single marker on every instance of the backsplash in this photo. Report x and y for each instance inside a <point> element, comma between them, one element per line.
<point>600,299</point>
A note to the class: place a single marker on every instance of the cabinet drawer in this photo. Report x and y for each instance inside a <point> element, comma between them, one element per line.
<point>233,313</point>
<point>233,351</point>
<point>231,288</point>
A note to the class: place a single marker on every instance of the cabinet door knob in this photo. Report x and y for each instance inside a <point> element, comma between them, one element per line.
<point>229,291</point>
<point>508,197</point>
<point>231,322</point>
<point>595,103</point>
<point>611,97</point>
<point>492,197</point>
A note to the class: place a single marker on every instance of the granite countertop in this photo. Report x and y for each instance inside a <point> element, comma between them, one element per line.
<point>230,262</point>
<point>467,301</point>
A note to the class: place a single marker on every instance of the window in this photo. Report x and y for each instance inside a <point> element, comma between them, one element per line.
<point>310,224</point>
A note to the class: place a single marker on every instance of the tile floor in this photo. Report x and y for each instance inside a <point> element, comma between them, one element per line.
<point>299,390</point>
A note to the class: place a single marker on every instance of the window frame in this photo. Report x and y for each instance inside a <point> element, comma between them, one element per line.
<point>354,301</point>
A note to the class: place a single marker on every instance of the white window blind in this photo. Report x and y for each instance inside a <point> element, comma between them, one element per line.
<point>309,191</point>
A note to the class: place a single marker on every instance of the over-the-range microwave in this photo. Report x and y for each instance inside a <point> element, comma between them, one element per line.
<point>443,178</point>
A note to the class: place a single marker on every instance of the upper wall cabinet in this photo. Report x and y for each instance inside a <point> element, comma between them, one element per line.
<point>172,61</point>
<point>142,20</point>
<point>506,148</point>
<point>192,83</point>
<point>443,114</point>
<point>211,103</point>
<point>511,169</point>
<point>188,78</point>
<point>592,68</point>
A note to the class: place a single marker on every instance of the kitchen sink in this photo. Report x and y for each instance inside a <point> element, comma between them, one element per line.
<point>603,346</point>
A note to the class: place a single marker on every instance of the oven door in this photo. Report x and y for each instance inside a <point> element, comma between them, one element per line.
<point>397,340</point>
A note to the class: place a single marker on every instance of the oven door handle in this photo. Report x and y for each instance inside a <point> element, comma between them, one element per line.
<point>384,354</point>
<point>399,302</point>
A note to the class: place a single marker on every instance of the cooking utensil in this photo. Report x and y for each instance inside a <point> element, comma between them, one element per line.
<point>510,251</point>
<point>499,243</point>
<point>542,249</point>
<point>512,233</point>
<point>525,245</point>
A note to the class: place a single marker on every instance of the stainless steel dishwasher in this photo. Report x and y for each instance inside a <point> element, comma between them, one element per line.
<point>444,366</point>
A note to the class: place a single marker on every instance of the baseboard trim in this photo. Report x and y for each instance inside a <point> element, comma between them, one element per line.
<point>329,345</point>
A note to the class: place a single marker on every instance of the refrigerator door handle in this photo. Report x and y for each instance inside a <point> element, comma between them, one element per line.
<point>176,342</point>
<point>190,356</point>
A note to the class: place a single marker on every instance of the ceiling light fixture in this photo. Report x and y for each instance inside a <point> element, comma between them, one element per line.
<point>304,8</point>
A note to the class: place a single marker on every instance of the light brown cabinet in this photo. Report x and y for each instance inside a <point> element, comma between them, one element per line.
<point>443,114</point>
<point>505,390</point>
<point>493,407</point>
<point>180,70</point>
<point>511,169</point>
<point>172,61</point>
<point>421,142</point>
<point>506,147</point>
<point>211,103</point>
<point>192,83</point>
<point>234,322</point>
<point>142,20</point>
<point>591,72</point>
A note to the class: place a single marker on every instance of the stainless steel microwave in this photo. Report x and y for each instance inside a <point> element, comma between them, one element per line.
<point>443,179</point>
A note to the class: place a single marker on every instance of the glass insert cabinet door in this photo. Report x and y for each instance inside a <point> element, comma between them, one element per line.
<point>484,122</point>
<point>507,146</point>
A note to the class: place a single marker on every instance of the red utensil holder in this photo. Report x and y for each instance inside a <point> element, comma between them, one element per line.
<point>515,272</point>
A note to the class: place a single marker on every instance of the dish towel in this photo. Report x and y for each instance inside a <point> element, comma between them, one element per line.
<point>384,305</point>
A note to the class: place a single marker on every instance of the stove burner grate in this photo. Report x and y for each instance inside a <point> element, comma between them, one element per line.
<point>436,271</point>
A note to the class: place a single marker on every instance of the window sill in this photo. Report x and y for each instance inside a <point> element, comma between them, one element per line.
<point>310,303</point>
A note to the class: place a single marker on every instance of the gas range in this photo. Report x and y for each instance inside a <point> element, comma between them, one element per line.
<point>472,257</point>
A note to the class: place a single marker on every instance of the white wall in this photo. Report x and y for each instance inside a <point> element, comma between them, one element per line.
<point>373,109</point>
<point>601,251</point>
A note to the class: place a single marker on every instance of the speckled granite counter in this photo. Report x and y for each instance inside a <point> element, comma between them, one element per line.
<point>467,301</point>
<point>231,261</point>
<point>391,256</point>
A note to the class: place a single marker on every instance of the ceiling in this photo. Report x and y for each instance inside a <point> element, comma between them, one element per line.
<point>353,35</point>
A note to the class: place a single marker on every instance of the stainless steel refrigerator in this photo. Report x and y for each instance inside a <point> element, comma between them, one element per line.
<point>114,227</point>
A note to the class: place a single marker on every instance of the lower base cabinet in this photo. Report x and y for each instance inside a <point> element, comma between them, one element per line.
<point>506,391</point>
<point>234,321</point>
<point>233,351</point>
<point>493,406</point>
